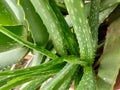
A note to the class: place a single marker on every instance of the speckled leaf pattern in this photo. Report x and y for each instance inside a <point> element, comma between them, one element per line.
<point>58,80</point>
<point>70,40</point>
<point>94,21</point>
<point>110,60</point>
<point>52,24</point>
<point>88,80</point>
<point>81,28</point>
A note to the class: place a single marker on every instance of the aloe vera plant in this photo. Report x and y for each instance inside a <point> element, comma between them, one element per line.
<point>63,55</point>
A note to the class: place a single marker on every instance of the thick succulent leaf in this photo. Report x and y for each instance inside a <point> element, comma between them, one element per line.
<point>71,42</point>
<point>34,84</point>
<point>60,77</point>
<point>12,81</point>
<point>110,60</point>
<point>36,26</point>
<point>102,14</point>
<point>105,13</point>
<point>108,3</point>
<point>25,76</point>
<point>81,28</point>
<point>53,26</point>
<point>27,43</point>
<point>7,43</point>
<point>12,56</point>
<point>10,13</point>
<point>42,67</point>
<point>88,80</point>
<point>94,21</point>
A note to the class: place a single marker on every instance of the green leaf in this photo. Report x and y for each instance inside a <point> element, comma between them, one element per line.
<point>52,24</point>
<point>27,44</point>
<point>88,80</point>
<point>105,13</point>
<point>108,3</point>
<point>110,60</point>
<point>10,13</point>
<point>12,81</point>
<point>81,28</point>
<point>36,26</point>
<point>12,56</point>
<point>16,80</point>
<point>41,67</point>
<point>94,21</point>
<point>70,40</point>
<point>7,43</point>
<point>60,77</point>
<point>34,84</point>
<point>102,14</point>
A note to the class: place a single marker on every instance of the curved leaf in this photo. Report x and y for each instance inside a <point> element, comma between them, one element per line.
<point>108,3</point>
<point>12,56</point>
<point>60,77</point>
<point>10,13</point>
<point>71,42</point>
<point>36,26</point>
<point>105,13</point>
<point>110,60</point>
<point>94,21</point>
<point>52,24</point>
<point>7,43</point>
<point>88,80</point>
<point>27,43</point>
<point>81,28</point>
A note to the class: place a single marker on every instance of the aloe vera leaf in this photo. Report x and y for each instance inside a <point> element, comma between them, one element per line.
<point>9,47</point>
<point>102,14</point>
<point>110,60</point>
<point>27,44</point>
<point>59,78</point>
<point>15,55</point>
<point>20,79</point>
<point>69,37</point>
<point>88,80</point>
<point>78,77</point>
<point>42,67</point>
<point>76,61</point>
<point>81,28</point>
<point>108,3</point>
<point>68,81</point>
<point>36,26</point>
<point>11,14</point>
<point>52,24</point>
<point>7,43</point>
<point>34,84</point>
<point>94,21</point>
<point>16,80</point>
<point>105,13</point>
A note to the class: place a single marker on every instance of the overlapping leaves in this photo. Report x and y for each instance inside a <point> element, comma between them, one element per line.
<point>45,17</point>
